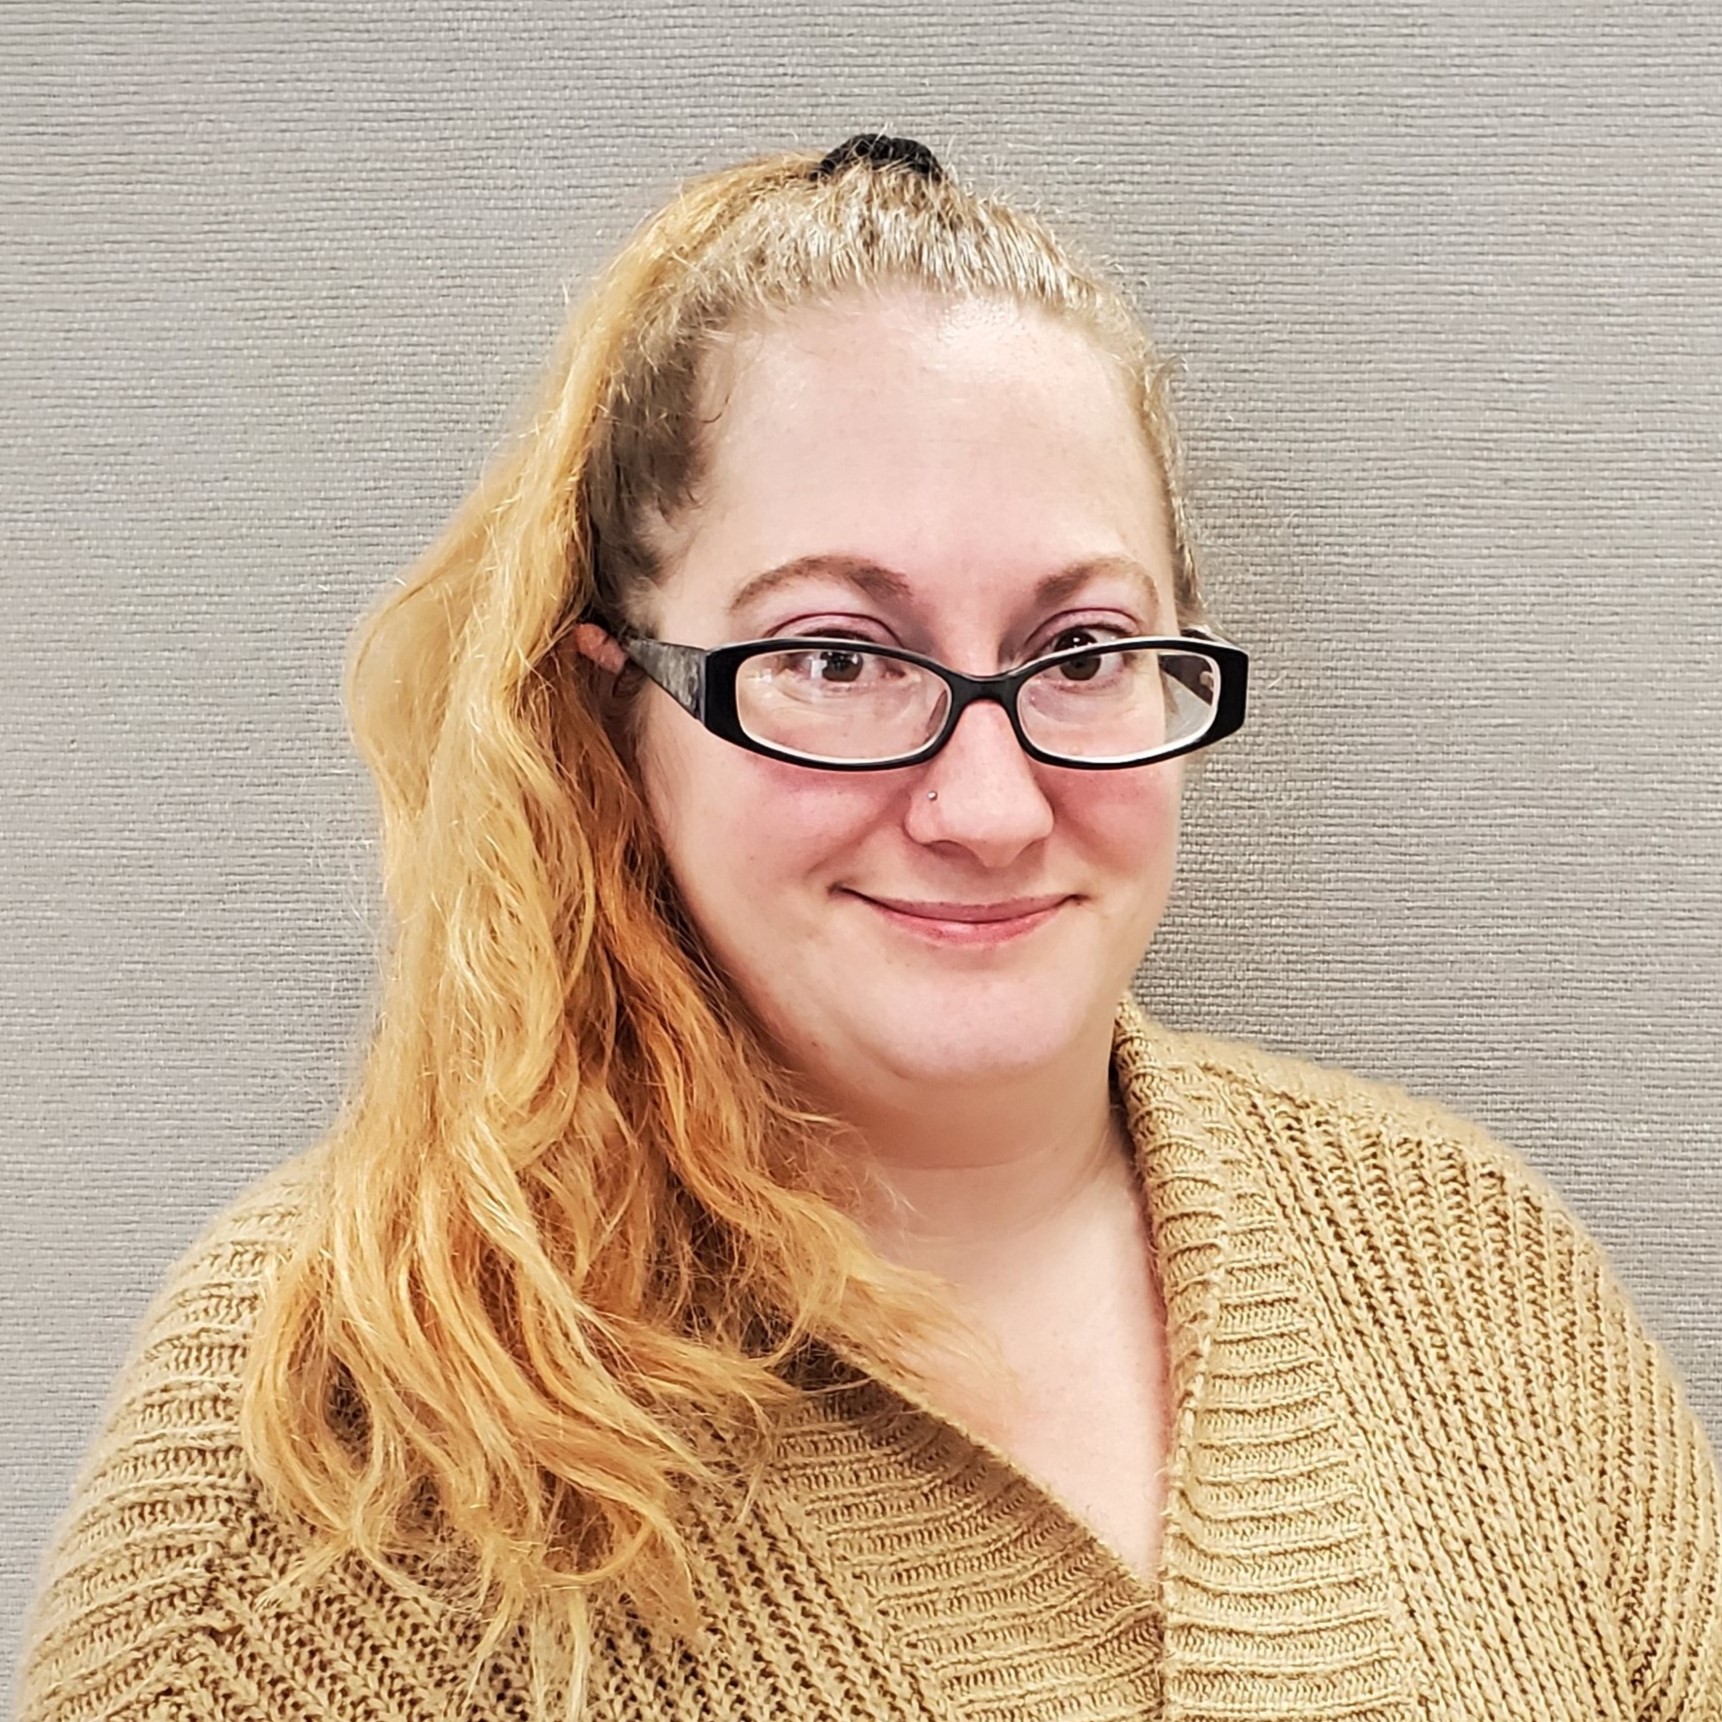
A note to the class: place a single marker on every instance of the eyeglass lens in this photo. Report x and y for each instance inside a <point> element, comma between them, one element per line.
<point>850,703</point>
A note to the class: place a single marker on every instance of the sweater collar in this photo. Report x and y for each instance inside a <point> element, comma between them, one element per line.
<point>1276,1596</point>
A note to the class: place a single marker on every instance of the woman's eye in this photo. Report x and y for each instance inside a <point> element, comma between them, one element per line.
<point>1081,634</point>
<point>842,667</point>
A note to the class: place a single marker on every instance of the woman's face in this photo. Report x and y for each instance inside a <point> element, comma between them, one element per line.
<point>933,474</point>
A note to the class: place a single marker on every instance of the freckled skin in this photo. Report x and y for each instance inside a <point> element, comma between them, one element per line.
<point>974,447</point>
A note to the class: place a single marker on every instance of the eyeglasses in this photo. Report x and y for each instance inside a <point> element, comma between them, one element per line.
<point>848,705</point>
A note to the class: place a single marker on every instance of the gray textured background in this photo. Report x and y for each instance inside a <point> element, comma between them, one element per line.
<point>1445,283</point>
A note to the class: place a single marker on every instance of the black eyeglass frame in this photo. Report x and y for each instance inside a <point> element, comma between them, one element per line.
<point>701,679</point>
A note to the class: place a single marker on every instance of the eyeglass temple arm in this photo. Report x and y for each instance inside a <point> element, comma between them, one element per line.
<point>679,670</point>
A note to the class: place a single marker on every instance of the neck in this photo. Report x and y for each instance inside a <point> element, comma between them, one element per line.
<point>975,1184</point>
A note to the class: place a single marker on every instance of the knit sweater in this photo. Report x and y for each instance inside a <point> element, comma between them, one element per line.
<point>1427,1463</point>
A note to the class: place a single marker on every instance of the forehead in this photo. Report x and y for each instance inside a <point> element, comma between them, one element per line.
<point>974,374</point>
<point>953,440</point>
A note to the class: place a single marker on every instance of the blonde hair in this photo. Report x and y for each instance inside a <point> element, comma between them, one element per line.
<point>575,1214</point>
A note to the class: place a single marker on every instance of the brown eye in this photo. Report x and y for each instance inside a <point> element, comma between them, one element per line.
<point>839,666</point>
<point>1077,669</point>
<point>1065,638</point>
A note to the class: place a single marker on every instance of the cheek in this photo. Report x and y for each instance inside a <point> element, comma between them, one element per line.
<point>738,828</point>
<point>1127,821</point>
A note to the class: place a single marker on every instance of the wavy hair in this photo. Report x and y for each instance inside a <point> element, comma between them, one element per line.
<point>575,1213</point>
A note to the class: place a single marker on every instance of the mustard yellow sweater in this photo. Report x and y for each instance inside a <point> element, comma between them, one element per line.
<point>1427,1464</point>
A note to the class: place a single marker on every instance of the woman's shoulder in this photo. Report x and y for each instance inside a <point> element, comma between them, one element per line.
<point>1457,1290</point>
<point>1335,1119</point>
<point>225,1264</point>
<point>1396,1200</point>
<point>163,1494</point>
<point>189,1349</point>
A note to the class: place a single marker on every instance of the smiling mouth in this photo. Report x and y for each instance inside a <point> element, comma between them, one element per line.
<point>1013,909</point>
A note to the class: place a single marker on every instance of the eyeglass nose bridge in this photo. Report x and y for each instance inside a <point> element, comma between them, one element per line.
<point>1001,689</point>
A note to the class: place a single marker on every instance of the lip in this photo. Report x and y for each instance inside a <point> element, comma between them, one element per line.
<point>1010,909</point>
<point>966,923</point>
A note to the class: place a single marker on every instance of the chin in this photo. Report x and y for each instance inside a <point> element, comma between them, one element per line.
<point>972,1033</point>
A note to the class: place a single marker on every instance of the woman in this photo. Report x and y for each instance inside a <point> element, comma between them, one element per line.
<point>767,1267</point>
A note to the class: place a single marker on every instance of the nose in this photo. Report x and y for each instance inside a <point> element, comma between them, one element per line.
<point>989,798</point>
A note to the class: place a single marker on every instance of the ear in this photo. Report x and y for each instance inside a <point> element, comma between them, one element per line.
<point>590,641</point>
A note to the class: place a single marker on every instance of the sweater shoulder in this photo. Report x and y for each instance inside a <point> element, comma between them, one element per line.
<point>199,1324</point>
<point>1388,1185</point>
<point>163,1495</point>
<point>1459,1286</point>
<point>1332,1116</point>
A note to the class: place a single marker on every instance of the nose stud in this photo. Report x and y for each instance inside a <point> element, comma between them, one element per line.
<point>932,795</point>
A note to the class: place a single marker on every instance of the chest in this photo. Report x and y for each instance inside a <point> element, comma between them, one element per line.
<point>1086,1411</point>
<point>1099,1441</point>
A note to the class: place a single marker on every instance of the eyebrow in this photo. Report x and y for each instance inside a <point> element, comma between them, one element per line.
<point>886,585</point>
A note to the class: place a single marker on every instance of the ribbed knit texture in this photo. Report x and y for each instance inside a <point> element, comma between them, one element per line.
<point>1428,1464</point>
